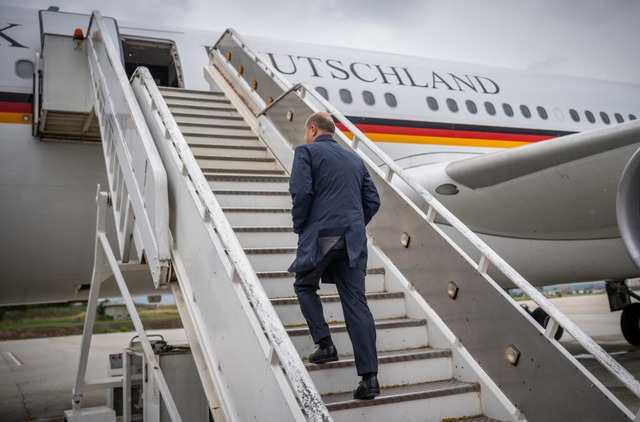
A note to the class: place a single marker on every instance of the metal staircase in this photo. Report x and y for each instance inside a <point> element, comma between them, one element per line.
<point>198,186</point>
<point>251,186</point>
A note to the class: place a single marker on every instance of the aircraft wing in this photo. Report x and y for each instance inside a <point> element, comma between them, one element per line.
<point>559,189</point>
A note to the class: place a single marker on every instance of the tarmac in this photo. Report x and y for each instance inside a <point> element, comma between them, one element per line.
<point>37,375</point>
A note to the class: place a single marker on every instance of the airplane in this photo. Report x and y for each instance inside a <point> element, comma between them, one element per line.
<point>534,163</point>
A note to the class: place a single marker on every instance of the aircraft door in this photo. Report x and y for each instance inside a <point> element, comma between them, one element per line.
<point>159,56</point>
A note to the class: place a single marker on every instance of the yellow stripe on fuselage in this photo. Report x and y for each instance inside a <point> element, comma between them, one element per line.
<point>437,140</point>
<point>20,118</point>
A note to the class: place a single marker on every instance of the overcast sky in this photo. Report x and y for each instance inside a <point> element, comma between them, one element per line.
<point>593,38</point>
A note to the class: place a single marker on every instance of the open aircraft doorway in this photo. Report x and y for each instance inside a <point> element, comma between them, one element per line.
<point>159,56</point>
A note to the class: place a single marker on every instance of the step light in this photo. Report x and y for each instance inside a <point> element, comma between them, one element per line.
<point>452,290</point>
<point>405,239</point>
<point>512,355</point>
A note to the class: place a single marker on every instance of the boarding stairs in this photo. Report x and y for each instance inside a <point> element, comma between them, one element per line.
<point>198,188</point>
<point>252,189</point>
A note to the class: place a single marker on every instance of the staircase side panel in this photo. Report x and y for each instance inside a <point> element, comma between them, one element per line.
<point>485,321</point>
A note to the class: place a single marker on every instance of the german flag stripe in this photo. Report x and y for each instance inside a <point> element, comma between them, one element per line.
<point>433,133</point>
<point>16,108</point>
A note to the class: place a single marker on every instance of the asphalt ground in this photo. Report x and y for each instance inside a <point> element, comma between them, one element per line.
<point>37,375</point>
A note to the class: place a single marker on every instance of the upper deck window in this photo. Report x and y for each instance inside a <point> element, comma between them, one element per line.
<point>432,103</point>
<point>507,109</point>
<point>452,104</point>
<point>619,117</point>
<point>491,110</point>
<point>574,115</point>
<point>390,99</point>
<point>542,113</point>
<point>525,111</point>
<point>323,92</point>
<point>590,117</point>
<point>632,117</point>
<point>605,117</point>
<point>471,106</point>
<point>345,96</point>
<point>368,98</point>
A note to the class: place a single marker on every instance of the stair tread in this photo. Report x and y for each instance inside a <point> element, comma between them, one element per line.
<point>275,172</point>
<point>347,361</point>
<point>256,210</point>
<point>336,298</point>
<point>402,393</point>
<point>231,158</point>
<point>262,229</point>
<point>381,324</point>
<point>283,274</point>
<point>250,192</point>
<point>239,177</point>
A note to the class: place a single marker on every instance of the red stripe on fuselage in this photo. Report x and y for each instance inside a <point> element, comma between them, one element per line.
<point>403,130</point>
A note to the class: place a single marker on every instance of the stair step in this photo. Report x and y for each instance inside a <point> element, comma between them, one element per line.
<point>432,401</point>
<point>197,136</point>
<point>245,181</point>
<point>383,306</point>
<point>403,367</point>
<point>213,113</point>
<point>241,216</point>
<point>232,152</point>
<point>266,236</point>
<point>280,283</point>
<point>203,140</point>
<point>217,103</point>
<point>253,198</point>
<point>217,130</point>
<point>225,117</point>
<point>236,163</point>
<point>392,334</point>
<point>189,93</point>
<point>270,259</point>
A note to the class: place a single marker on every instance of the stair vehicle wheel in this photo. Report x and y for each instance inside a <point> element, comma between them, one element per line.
<point>542,318</point>
<point>630,323</point>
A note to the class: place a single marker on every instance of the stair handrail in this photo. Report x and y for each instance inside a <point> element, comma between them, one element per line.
<point>557,318</point>
<point>300,381</point>
<point>145,181</point>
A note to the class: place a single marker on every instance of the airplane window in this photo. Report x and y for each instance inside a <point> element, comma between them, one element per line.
<point>525,111</point>
<point>605,117</point>
<point>323,92</point>
<point>632,117</point>
<point>619,118</point>
<point>24,69</point>
<point>491,110</point>
<point>453,106</point>
<point>368,98</point>
<point>590,117</point>
<point>390,99</point>
<point>542,113</point>
<point>345,96</point>
<point>471,106</point>
<point>507,109</point>
<point>574,115</point>
<point>432,103</point>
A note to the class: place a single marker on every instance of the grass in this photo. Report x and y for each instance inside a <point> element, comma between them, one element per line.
<point>65,319</point>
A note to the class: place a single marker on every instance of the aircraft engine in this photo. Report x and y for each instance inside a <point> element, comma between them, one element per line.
<point>628,207</point>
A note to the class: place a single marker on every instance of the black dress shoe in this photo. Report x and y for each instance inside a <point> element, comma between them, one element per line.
<point>330,354</point>
<point>367,389</point>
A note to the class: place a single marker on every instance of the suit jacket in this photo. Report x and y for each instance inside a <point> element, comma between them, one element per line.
<point>333,196</point>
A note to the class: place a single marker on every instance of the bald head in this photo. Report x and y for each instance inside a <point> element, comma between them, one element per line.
<point>317,124</point>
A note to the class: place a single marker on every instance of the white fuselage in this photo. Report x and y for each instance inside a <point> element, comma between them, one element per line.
<point>406,104</point>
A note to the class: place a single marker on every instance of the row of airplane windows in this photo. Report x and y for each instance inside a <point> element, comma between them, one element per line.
<point>472,108</point>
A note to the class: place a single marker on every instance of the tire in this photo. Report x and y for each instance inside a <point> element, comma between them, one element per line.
<point>542,318</point>
<point>630,323</point>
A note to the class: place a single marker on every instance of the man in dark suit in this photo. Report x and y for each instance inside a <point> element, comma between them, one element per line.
<point>333,200</point>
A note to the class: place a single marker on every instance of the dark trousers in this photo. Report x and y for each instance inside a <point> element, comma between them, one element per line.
<point>350,284</point>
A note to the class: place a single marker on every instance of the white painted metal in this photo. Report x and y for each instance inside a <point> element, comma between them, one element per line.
<point>136,176</point>
<point>105,265</point>
<point>238,304</point>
